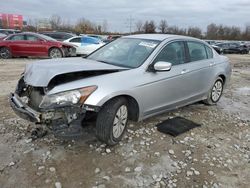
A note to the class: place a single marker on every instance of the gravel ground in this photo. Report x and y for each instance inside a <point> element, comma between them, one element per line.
<point>217,154</point>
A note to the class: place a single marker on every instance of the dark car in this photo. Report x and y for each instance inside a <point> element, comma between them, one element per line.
<point>60,36</point>
<point>218,49</point>
<point>9,31</point>
<point>33,44</point>
<point>233,48</point>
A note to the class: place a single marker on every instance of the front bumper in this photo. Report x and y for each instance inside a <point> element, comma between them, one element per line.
<point>22,110</point>
<point>65,115</point>
<point>69,51</point>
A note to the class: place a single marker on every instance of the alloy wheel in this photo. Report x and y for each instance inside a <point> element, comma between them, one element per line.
<point>55,53</point>
<point>120,121</point>
<point>217,91</point>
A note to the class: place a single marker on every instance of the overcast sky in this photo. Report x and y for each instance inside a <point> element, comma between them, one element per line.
<point>117,12</point>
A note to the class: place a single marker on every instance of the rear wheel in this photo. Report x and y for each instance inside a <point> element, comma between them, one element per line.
<point>112,121</point>
<point>5,53</point>
<point>55,53</point>
<point>215,93</point>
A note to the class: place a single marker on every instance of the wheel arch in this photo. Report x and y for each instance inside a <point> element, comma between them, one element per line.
<point>133,106</point>
<point>223,77</point>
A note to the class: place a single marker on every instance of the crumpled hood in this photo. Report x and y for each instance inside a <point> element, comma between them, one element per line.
<point>39,74</point>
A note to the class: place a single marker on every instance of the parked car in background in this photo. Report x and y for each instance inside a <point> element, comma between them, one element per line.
<point>85,44</point>
<point>233,47</point>
<point>111,38</point>
<point>2,36</point>
<point>60,36</point>
<point>131,78</point>
<point>218,49</point>
<point>33,44</point>
<point>9,31</point>
<point>100,37</point>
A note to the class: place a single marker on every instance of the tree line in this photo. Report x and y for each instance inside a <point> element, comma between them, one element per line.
<point>56,23</point>
<point>213,31</point>
<point>82,25</point>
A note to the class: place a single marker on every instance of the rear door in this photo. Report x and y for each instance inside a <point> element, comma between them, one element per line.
<point>199,68</point>
<point>17,44</point>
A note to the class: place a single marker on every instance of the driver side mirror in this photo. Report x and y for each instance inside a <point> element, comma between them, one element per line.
<point>162,66</point>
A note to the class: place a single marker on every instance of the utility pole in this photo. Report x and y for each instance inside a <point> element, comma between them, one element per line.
<point>129,23</point>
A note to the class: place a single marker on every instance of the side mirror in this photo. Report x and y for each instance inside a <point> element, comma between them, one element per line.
<point>162,66</point>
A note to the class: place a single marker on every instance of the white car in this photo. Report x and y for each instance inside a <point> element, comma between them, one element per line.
<point>85,44</point>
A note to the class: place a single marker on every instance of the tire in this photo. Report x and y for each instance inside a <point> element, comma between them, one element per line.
<point>55,53</point>
<point>5,53</point>
<point>215,92</point>
<point>112,121</point>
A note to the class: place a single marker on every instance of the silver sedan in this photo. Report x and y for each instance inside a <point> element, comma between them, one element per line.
<point>131,78</point>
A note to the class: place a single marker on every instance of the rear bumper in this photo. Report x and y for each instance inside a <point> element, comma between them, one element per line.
<point>22,110</point>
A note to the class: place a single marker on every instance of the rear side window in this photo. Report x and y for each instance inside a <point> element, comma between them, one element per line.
<point>173,53</point>
<point>209,52</point>
<point>197,51</point>
<point>16,37</point>
<point>77,40</point>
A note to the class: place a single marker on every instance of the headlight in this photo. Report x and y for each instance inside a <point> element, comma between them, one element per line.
<point>67,98</point>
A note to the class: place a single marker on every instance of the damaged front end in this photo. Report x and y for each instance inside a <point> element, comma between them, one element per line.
<point>64,108</point>
<point>69,51</point>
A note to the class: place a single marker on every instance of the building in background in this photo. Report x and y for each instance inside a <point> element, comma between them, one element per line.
<point>11,21</point>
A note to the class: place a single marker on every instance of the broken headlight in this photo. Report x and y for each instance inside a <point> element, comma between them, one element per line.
<point>67,98</point>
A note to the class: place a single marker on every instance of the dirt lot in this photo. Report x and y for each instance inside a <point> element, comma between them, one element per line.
<point>215,155</point>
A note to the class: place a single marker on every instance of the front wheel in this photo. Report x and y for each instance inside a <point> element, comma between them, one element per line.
<point>55,53</point>
<point>215,93</point>
<point>112,121</point>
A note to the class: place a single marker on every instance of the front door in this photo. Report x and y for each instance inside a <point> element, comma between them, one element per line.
<point>167,89</point>
<point>35,46</point>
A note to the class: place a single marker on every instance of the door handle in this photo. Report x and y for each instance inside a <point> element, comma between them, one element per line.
<point>184,71</point>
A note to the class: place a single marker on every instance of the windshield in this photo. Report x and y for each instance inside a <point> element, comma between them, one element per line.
<point>125,52</point>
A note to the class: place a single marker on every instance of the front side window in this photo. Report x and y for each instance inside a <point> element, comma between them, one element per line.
<point>32,38</point>
<point>173,53</point>
<point>197,51</point>
<point>125,52</point>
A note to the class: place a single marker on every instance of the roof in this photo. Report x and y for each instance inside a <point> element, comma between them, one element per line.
<point>159,37</point>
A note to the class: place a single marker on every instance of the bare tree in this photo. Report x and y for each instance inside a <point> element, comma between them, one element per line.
<point>84,26</point>
<point>163,26</point>
<point>139,26</point>
<point>55,21</point>
<point>149,27</point>
<point>176,30</point>
<point>194,32</point>
<point>212,31</point>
